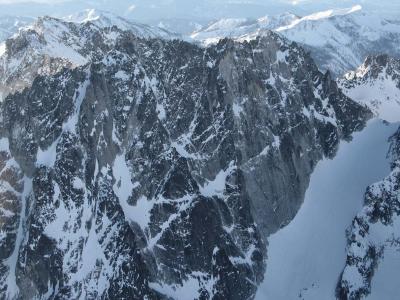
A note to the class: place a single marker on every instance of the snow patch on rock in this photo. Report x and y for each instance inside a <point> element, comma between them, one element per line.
<point>2,49</point>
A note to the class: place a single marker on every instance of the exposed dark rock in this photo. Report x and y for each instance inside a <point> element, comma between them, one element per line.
<point>156,169</point>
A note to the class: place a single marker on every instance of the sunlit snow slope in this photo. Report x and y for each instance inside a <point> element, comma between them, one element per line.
<point>309,254</point>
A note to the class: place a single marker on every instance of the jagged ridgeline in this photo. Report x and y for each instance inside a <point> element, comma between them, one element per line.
<point>157,169</point>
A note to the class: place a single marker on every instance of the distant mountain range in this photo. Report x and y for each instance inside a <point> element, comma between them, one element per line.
<point>339,40</point>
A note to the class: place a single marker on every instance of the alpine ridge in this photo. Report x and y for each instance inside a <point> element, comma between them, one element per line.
<point>147,168</point>
<point>49,45</point>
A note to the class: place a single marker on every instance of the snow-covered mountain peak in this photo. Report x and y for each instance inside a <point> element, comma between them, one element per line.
<point>100,18</point>
<point>272,22</point>
<point>51,44</point>
<point>376,83</point>
<point>338,39</point>
<point>9,25</point>
<point>51,37</point>
<point>285,16</point>
<point>104,19</point>
<point>85,16</point>
<point>374,66</point>
<point>42,48</point>
<point>322,15</point>
<point>240,27</point>
<point>235,27</point>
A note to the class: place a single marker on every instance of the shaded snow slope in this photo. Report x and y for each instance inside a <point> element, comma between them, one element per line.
<point>308,255</point>
<point>376,84</point>
<point>385,282</point>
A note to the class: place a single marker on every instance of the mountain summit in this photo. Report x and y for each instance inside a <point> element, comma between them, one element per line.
<point>136,167</point>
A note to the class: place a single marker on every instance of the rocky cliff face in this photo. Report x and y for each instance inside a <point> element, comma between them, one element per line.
<point>374,233</point>
<point>155,168</point>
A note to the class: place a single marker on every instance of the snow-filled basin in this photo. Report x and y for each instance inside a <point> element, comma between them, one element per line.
<point>306,257</point>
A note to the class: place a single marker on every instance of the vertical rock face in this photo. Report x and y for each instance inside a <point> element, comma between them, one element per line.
<point>155,170</point>
<point>374,232</point>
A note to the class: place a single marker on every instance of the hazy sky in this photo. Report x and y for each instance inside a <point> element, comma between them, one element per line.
<point>190,9</point>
